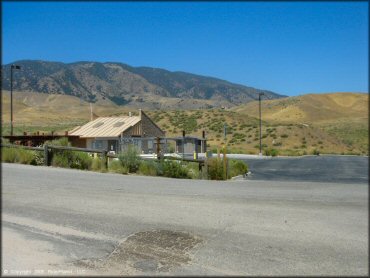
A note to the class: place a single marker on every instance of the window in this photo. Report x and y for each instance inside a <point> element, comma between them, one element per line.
<point>98,124</point>
<point>118,124</point>
<point>97,144</point>
<point>150,144</point>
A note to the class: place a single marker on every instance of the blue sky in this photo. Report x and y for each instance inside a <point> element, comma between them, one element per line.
<point>290,48</point>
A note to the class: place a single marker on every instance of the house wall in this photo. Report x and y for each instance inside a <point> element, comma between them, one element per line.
<point>101,143</point>
<point>149,128</point>
<point>144,128</point>
<point>77,142</point>
<point>135,130</point>
<point>191,145</point>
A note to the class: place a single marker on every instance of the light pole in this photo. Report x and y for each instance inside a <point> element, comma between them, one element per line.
<point>259,99</point>
<point>11,96</point>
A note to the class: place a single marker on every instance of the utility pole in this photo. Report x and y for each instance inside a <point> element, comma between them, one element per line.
<point>183,144</point>
<point>259,99</point>
<point>11,96</point>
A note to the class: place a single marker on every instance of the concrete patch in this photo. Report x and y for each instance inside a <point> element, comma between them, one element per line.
<point>147,252</point>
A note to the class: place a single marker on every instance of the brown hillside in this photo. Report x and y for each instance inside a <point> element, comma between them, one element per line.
<point>340,121</point>
<point>312,108</point>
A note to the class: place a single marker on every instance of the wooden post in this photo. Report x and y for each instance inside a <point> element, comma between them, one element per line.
<point>206,167</point>
<point>46,155</point>
<point>158,148</point>
<point>105,159</point>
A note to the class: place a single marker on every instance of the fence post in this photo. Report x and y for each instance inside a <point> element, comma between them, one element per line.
<point>46,155</point>
<point>105,157</point>
<point>225,163</point>
<point>205,166</point>
<point>158,148</point>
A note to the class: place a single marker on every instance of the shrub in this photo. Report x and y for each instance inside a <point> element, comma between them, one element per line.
<point>130,159</point>
<point>116,166</point>
<point>68,158</point>
<point>215,168</point>
<point>71,159</point>
<point>81,160</point>
<point>271,152</point>
<point>60,159</point>
<point>18,155</point>
<point>149,168</point>
<point>193,170</point>
<point>284,136</point>
<point>237,167</point>
<point>38,159</point>
<point>9,155</point>
<point>26,156</point>
<point>58,142</point>
<point>98,164</point>
<point>315,152</point>
<point>174,169</point>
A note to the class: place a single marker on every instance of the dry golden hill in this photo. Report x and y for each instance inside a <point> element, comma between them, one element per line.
<point>40,109</point>
<point>311,108</point>
<point>340,131</point>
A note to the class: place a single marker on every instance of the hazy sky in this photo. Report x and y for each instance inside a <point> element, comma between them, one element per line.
<point>290,48</point>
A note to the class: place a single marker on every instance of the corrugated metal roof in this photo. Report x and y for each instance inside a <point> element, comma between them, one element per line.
<point>105,127</point>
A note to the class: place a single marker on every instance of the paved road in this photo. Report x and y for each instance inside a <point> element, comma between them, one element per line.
<point>60,221</point>
<point>338,169</point>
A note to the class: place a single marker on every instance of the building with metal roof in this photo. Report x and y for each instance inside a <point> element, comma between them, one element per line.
<point>111,133</point>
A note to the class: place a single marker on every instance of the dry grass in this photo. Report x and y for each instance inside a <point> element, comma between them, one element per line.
<point>311,109</point>
<point>337,123</point>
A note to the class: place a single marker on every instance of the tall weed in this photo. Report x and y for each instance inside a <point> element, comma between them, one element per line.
<point>237,167</point>
<point>130,159</point>
<point>149,168</point>
<point>115,166</point>
<point>18,155</point>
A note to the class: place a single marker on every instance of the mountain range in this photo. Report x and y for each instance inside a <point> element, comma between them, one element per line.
<point>144,87</point>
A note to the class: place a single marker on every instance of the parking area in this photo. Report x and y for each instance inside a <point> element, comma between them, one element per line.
<point>338,169</point>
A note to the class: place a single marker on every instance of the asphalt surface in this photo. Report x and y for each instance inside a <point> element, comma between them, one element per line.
<point>337,169</point>
<point>70,222</point>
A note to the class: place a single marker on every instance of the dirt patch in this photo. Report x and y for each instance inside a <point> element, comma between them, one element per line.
<point>147,252</point>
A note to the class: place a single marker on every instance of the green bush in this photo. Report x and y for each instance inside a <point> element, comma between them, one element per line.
<point>193,170</point>
<point>271,152</point>
<point>98,164</point>
<point>60,159</point>
<point>116,166</point>
<point>237,167</point>
<point>71,159</point>
<point>174,169</point>
<point>215,168</point>
<point>38,158</point>
<point>18,155</point>
<point>9,155</point>
<point>26,156</point>
<point>58,142</point>
<point>130,159</point>
<point>80,160</point>
<point>149,168</point>
<point>315,152</point>
<point>68,158</point>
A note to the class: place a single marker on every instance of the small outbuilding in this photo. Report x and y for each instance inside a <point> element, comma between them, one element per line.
<point>190,145</point>
<point>116,133</point>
